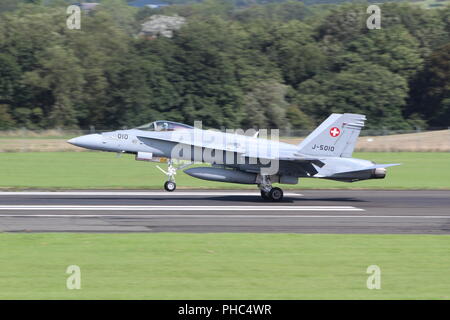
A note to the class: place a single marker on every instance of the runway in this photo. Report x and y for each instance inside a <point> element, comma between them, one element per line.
<point>303,211</point>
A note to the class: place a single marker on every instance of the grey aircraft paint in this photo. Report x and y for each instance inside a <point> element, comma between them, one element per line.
<point>326,153</point>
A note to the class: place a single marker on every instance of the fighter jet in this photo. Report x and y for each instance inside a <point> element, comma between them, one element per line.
<point>246,159</point>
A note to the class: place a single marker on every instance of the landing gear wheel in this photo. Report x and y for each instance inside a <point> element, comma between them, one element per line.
<point>170,186</point>
<point>275,194</point>
<point>264,195</point>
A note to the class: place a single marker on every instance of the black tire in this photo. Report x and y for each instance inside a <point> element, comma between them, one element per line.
<point>170,186</point>
<point>265,195</point>
<point>276,194</point>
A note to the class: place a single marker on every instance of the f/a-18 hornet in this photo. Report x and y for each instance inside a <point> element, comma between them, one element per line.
<point>247,159</point>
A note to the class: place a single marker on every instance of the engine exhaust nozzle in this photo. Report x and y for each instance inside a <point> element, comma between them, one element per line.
<point>379,173</point>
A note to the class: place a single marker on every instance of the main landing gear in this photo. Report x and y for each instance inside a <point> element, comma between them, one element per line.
<point>274,194</point>
<point>268,192</point>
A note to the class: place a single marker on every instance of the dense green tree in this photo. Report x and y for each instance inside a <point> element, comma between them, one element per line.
<point>361,88</point>
<point>122,14</point>
<point>393,48</point>
<point>102,48</point>
<point>205,60</point>
<point>297,118</point>
<point>233,64</point>
<point>58,74</point>
<point>427,26</point>
<point>147,92</point>
<point>284,12</point>
<point>6,120</point>
<point>8,5</point>
<point>343,23</point>
<point>430,95</point>
<point>265,106</point>
<point>10,74</point>
<point>33,1</point>
<point>295,52</point>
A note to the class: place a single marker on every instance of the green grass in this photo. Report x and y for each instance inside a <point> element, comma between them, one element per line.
<point>224,266</point>
<point>85,170</point>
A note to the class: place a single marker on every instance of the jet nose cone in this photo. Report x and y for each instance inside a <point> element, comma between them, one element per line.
<point>89,141</point>
<point>73,141</point>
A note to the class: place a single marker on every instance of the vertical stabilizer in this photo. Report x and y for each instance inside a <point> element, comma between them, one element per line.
<point>335,137</point>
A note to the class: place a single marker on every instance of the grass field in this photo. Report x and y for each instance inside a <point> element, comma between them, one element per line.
<point>223,266</point>
<point>89,170</point>
<point>216,266</point>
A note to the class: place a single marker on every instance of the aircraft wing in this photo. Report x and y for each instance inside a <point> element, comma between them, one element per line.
<point>290,161</point>
<point>317,161</point>
<point>296,164</point>
<point>301,167</point>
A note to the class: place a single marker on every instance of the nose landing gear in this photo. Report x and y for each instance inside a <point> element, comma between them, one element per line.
<point>170,184</point>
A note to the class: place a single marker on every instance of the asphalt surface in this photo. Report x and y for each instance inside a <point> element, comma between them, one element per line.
<point>304,211</point>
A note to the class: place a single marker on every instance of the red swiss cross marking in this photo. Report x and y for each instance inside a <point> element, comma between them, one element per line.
<point>334,132</point>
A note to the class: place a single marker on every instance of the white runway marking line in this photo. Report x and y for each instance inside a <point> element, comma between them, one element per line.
<point>206,216</point>
<point>176,208</point>
<point>138,193</point>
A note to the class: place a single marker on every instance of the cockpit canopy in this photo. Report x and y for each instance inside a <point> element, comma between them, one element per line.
<point>162,125</point>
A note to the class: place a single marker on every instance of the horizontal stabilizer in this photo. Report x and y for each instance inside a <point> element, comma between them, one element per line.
<point>376,166</point>
<point>384,165</point>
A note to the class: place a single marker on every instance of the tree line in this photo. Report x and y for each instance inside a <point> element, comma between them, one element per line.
<point>275,65</point>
